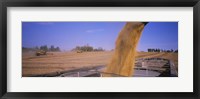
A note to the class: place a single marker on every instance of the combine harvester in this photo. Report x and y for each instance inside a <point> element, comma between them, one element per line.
<point>41,52</point>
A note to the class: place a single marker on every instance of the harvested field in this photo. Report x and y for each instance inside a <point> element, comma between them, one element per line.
<point>63,61</point>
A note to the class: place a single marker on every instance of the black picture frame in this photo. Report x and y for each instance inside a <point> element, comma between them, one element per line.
<point>98,3</point>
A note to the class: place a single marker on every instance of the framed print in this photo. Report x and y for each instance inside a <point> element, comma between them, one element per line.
<point>90,49</point>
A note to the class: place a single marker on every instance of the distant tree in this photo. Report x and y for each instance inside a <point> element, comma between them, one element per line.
<point>158,50</point>
<point>57,49</point>
<point>78,48</point>
<point>52,48</point>
<point>172,50</point>
<point>37,48</point>
<point>44,47</point>
<point>161,50</point>
<point>176,51</point>
<point>100,49</point>
<point>148,50</point>
<point>41,47</point>
<point>87,48</point>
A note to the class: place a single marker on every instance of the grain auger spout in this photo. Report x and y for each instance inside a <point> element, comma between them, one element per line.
<point>123,59</point>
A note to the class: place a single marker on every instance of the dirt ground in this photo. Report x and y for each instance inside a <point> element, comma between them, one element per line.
<point>62,61</point>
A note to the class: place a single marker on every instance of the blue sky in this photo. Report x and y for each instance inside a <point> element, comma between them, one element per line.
<point>68,35</point>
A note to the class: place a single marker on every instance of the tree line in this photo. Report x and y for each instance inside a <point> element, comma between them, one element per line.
<point>46,48</point>
<point>43,47</point>
<point>87,48</point>
<point>161,50</point>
